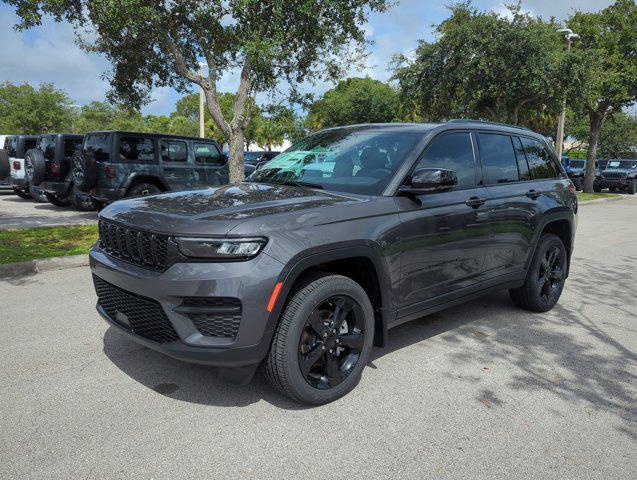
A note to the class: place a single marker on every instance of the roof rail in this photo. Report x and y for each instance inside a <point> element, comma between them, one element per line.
<point>485,122</point>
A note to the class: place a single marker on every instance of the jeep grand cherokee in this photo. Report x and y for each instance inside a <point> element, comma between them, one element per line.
<point>346,234</point>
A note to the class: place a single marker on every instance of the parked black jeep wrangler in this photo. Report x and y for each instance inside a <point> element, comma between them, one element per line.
<point>115,164</point>
<point>346,234</point>
<point>620,174</point>
<point>48,167</point>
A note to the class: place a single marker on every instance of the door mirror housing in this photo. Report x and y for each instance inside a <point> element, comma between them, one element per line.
<point>429,180</point>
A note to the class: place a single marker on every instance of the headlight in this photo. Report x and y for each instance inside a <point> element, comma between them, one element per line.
<point>243,248</point>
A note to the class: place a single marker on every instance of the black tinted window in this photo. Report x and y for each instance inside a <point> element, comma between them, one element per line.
<point>523,166</point>
<point>100,145</point>
<point>47,145</point>
<point>136,149</point>
<point>174,151</point>
<point>11,144</point>
<point>498,159</point>
<point>70,145</point>
<point>452,151</point>
<point>208,153</point>
<point>540,160</point>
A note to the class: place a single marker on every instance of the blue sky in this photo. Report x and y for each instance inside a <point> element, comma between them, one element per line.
<point>49,54</point>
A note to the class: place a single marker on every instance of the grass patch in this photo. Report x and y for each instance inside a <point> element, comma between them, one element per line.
<point>582,197</point>
<point>22,244</point>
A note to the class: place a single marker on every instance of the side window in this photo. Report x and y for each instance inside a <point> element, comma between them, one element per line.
<point>540,160</point>
<point>70,145</point>
<point>523,166</point>
<point>208,153</point>
<point>452,151</point>
<point>174,151</point>
<point>136,149</point>
<point>498,159</point>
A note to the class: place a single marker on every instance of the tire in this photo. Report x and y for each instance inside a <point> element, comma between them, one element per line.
<point>5,168</point>
<point>632,188</point>
<point>597,187</point>
<point>80,201</point>
<point>98,205</point>
<point>579,185</point>
<point>612,189</point>
<point>83,170</point>
<point>282,365</point>
<point>534,294</point>
<point>58,200</point>
<point>38,195</point>
<point>143,189</point>
<point>22,193</point>
<point>34,166</point>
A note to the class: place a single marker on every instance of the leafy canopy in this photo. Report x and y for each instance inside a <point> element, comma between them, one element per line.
<point>353,101</point>
<point>484,65</point>
<point>26,110</point>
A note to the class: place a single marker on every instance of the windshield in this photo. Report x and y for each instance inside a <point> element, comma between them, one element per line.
<point>100,144</point>
<point>622,164</point>
<point>344,160</point>
<point>577,163</point>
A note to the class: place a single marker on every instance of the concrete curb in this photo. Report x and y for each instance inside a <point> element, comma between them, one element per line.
<point>603,200</point>
<point>31,267</point>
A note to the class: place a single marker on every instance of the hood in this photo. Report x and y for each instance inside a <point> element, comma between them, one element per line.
<point>216,211</point>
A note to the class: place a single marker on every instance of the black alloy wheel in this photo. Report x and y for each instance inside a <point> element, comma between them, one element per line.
<point>331,342</point>
<point>551,275</point>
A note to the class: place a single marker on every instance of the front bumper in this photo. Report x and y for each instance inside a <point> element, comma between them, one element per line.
<point>251,282</point>
<point>617,182</point>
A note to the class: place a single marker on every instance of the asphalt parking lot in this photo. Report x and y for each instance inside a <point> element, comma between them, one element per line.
<point>16,212</point>
<point>480,391</point>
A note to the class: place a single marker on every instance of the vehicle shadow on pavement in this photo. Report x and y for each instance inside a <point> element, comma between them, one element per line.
<point>564,353</point>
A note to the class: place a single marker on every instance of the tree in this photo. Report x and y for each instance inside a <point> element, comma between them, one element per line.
<point>158,43</point>
<point>483,65</point>
<point>617,137</point>
<point>609,47</point>
<point>25,110</point>
<point>353,101</point>
<point>95,116</point>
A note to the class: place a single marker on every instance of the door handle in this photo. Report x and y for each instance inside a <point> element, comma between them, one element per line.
<point>475,202</point>
<point>533,194</point>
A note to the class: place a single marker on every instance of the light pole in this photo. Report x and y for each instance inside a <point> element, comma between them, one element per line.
<point>559,138</point>
<point>202,132</point>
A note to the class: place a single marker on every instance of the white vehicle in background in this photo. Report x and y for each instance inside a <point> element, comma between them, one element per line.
<point>5,167</point>
<point>16,146</point>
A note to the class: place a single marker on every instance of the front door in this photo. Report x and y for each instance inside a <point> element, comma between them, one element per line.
<point>176,164</point>
<point>444,235</point>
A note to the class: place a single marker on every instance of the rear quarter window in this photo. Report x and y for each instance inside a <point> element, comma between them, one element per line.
<point>540,159</point>
<point>208,153</point>
<point>100,145</point>
<point>136,149</point>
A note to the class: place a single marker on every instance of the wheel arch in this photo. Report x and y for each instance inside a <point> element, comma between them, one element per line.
<point>142,177</point>
<point>360,262</point>
<point>560,224</point>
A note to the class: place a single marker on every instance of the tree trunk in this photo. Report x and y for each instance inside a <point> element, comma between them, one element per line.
<point>596,119</point>
<point>236,163</point>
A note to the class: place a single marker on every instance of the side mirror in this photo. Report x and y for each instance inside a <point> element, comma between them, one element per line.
<point>429,180</point>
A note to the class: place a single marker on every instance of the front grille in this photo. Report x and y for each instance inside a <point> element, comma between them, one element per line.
<point>213,317</point>
<point>142,248</point>
<point>140,315</point>
<point>615,175</point>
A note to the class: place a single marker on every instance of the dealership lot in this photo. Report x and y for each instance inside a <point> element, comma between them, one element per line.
<point>16,212</point>
<point>480,391</point>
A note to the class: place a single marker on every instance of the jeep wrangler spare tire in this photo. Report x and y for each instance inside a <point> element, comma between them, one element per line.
<point>34,166</point>
<point>84,170</point>
<point>5,168</point>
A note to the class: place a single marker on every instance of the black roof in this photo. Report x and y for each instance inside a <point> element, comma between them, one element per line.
<point>154,135</point>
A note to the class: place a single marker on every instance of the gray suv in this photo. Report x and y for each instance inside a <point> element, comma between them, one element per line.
<point>350,232</point>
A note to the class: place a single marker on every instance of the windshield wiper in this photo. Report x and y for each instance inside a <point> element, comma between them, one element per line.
<point>302,184</point>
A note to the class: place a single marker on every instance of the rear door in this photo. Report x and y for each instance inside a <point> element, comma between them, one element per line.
<point>176,163</point>
<point>210,165</point>
<point>513,204</point>
<point>445,234</point>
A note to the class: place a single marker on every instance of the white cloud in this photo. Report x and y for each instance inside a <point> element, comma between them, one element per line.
<point>560,9</point>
